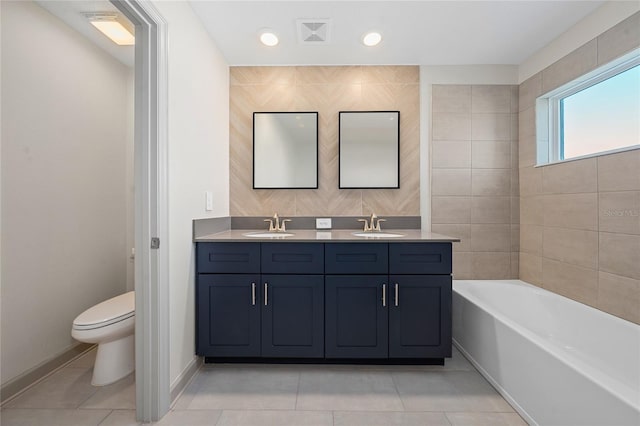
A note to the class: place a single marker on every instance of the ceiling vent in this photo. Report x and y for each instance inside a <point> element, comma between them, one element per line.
<point>314,31</point>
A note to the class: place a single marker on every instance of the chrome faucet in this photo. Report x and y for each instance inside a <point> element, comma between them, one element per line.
<point>277,225</point>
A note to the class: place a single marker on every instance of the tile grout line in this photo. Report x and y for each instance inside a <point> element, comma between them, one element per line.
<point>104,418</point>
<point>295,405</point>
<point>219,419</point>
<point>395,385</point>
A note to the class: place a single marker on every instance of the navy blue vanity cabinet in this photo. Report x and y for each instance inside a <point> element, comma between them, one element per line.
<point>420,300</point>
<point>293,300</point>
<point>356,300</point>
<point>228,314</point>
<point>324,300</point>
<point>356,316</point>
<point>227,299</point>
<point>388,300</point>
<point>419,316</point>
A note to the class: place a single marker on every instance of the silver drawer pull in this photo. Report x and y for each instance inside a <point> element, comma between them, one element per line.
<point>384,295</point>
<point>253,294</point>
<point>396,294</point>
<point>266,297</point>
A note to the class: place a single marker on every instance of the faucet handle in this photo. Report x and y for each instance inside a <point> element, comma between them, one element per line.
<point>283,224</point>
<point>377,228</point>
<point>366,225</point>
<point>271,228</point>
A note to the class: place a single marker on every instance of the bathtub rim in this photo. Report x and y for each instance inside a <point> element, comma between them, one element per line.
<point>620,390</point>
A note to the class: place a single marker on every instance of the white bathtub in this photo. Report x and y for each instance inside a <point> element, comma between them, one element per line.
<point>557,361</point>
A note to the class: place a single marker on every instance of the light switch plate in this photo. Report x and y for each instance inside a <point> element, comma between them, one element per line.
<point>209,201</point>
<point>323,223</point>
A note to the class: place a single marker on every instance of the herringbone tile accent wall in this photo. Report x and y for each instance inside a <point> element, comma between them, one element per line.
<point>327,90</point>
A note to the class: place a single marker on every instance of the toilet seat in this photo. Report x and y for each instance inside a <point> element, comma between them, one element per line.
<point>112,311</point>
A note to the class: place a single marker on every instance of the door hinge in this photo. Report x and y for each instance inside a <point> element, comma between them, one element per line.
<point>155,243</point>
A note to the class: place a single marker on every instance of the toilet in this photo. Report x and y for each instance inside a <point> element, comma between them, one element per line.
<point>111,325</point>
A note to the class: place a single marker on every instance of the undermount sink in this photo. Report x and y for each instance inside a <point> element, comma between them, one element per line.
<point>269,234</point>
<point>375,234</point>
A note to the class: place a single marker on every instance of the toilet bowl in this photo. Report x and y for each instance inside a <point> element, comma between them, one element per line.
<point>111,325</point>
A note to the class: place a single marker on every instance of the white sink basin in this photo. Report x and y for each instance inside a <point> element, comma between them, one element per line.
<point>269,234</point>
<point>377,234</point>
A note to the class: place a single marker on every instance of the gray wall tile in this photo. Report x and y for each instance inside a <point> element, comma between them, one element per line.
<point>491,182</point>
<point>572,281</point>
<point>619,40</point>
<point>570,177</point>
<point>619,212</point>
<point>451,154</point>
<point>491,99</point>
<point>619,254</point>
<point>451,182</point>
<point>587,222</point>
<point>619,172</point>
<point>575,64</point>
<point>573,246</point>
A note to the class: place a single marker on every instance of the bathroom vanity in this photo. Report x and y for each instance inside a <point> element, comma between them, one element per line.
<point>327,296</point>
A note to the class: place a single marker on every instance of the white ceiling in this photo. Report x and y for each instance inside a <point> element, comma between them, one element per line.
<point>414,32</point>
<point>451,32</point>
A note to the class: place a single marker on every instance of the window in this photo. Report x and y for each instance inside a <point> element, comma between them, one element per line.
<point>597,113</point>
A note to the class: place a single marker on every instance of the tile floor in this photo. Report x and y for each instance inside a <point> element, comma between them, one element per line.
<point>257,394</point>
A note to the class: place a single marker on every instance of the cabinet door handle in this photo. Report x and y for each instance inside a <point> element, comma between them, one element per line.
<point>396,294</point>
<point>266,297</point>
<point>253,294</point>
<point>384,295</point>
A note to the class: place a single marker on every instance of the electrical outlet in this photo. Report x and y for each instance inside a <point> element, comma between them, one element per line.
<point>323,223</point>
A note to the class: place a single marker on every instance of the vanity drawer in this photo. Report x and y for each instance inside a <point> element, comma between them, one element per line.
<point>228,258</point>
<point>356,258</point>
<point>292,258</point>
<point>420,258</point>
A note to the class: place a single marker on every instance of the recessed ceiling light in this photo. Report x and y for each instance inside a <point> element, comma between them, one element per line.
<point>268,38</point>
<point>372,38</point>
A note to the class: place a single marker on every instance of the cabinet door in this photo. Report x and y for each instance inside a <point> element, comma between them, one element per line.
<point>228,315</point>
<point>356,316</point>
<point>293,316</point>
<point>420,316</point>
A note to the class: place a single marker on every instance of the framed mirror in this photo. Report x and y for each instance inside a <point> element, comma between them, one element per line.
<point>285,150</point>
<point>369,149</point>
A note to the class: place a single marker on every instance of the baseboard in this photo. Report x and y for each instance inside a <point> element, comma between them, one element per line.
<point>498,387</point>
<point>185,378</point>
<point>24,381</point>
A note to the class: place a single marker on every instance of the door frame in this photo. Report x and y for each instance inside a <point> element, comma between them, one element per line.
<point>151,209</point>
